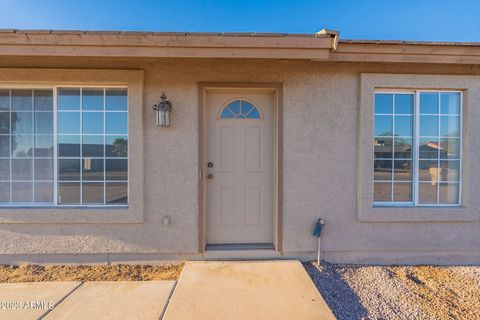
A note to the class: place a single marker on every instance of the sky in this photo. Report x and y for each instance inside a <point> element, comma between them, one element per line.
<point>427,20</point>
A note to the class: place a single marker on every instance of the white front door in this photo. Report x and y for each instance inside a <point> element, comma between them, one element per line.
<point>240,167</point>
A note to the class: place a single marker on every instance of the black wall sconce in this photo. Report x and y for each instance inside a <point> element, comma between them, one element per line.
<point>164,109</point>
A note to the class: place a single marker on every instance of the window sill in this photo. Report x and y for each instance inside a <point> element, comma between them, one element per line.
<point>63,215</point>
<point>452,213</point>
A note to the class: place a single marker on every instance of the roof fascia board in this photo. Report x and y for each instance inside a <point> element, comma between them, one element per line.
<point>164,45</point>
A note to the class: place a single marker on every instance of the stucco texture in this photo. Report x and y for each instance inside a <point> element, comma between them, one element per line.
<point>321,114</point>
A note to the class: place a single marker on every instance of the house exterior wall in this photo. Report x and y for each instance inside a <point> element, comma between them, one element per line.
<point>320,177</point>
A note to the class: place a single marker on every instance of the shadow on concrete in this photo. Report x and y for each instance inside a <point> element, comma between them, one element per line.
<point>340,297</point>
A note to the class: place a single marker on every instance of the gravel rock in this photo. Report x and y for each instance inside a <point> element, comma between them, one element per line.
<point>399,292</point>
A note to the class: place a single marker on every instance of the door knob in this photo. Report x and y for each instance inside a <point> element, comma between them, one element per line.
<point>210,165</point>
<point>210,176</point>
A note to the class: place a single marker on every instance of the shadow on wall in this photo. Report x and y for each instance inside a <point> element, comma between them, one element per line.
<point>340,297</point>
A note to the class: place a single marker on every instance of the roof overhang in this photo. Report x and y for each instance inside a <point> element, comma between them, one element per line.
<point>407,52</point>
<point>166,45</point>
<point>322,46</point>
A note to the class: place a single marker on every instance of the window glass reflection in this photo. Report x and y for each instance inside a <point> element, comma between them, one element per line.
<point>116,146</point>
<point>22,100</point>
<point>43,100</point>
<point>68,99</point>
<point>92,99</point>
<point>116,122</point>
<point>116,99</point>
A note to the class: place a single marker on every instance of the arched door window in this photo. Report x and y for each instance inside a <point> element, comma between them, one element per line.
<point>240,109</point>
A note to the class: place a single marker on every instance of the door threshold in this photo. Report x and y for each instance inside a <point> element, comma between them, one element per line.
<point>240,246</point>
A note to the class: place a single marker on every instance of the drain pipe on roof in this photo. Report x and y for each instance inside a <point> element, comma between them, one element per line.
<point>334,35</point>
<point>317,231</point>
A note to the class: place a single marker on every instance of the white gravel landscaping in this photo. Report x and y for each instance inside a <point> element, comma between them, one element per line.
<point>399,292</point>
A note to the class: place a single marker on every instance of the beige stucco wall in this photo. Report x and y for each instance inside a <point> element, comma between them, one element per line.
<point>321,114</point>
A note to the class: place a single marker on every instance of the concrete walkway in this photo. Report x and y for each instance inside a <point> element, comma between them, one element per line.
<point>115,300</point>
<point>246,290</point>
<point>32,300</point>
<point>205,290</point>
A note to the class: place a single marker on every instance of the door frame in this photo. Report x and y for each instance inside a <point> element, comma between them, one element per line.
<point>277,89</point>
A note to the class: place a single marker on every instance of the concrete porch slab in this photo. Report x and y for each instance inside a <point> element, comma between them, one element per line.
<point>32,300</point>
<point>115,300</point>
<point>246,290</point>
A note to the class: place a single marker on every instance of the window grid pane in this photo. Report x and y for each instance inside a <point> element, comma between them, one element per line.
<point>393,128</point>
<point>437,154</point>
<point>101,136</point>
<point>438,178</point>
<point>26,157</point>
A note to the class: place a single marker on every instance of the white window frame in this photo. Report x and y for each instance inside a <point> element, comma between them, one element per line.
<point>55,203</point>
<point>415,155</point>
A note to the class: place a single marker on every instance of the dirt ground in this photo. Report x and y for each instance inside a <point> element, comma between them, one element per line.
<point>399,292</point>
<point>116,272</point>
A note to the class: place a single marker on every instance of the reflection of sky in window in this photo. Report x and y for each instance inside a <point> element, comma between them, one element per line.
<point>383,103</point>
<point>403,103</point>
<point>92,99</point>
<point>429,102</point>
<point>116,99</point>
<point>383,125</point>
<point>116,122</point>
<point>403,126</point>
<point>68,99</point>
<point>92,122</point>
<point>68,122</point>
<point>428,126</point>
